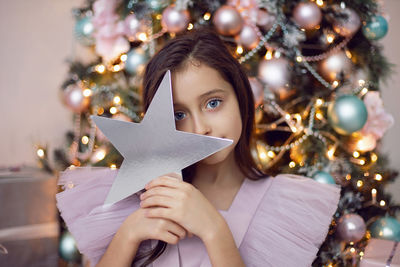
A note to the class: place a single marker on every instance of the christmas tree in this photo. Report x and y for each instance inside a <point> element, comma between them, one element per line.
<point>315,68</point>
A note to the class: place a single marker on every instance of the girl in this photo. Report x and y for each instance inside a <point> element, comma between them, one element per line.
<point>225,212</point>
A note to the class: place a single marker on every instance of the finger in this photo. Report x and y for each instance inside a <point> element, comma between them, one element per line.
<point>164,181</point>
<point>160,201</point>
<point>159,191</point>
<point>176,175</point>
<point>160,212</point>
<point>168,238</point>
<point>176,229</point>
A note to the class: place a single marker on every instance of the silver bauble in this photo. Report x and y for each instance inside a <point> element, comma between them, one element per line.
<point>335,66</point>
<point>248,37</point>
<point>347,114</point>
<point>347,25</point>
<point>74,99</point>
<point>133,27</point>
<point>275,74</point>
<point>307,15</point>
<point>84,30</point>
<point>227,20</point>
<point>351,227</point>
<point>136,61</point>
<point>174,20</point>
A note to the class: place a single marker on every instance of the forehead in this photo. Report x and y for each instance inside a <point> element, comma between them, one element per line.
<point>194,80</point>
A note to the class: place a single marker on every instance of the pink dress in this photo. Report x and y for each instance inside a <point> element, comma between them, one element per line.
<point>276,221</point>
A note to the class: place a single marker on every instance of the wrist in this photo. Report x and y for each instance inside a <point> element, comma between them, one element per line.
<point>218,227</point>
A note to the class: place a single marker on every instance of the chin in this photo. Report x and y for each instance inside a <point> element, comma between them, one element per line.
<point>218,157</point>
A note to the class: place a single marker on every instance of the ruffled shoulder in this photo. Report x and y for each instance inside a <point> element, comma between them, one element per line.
<point>291,222</point>
<point>91,223</point>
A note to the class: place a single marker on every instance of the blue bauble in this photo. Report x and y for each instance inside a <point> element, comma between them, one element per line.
<point>347,114</point>
<point>323,177</point>
<point>84,30</point>
<point>376,28</point>
<point>386,228</point>
<point>67,248</point>
<point>136,61</point>
<point>157,5</point>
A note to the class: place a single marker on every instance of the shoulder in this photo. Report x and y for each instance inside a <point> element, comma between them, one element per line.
<point>291,221</point>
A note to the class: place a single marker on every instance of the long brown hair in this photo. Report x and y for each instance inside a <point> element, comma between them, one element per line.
<point>205,47</point>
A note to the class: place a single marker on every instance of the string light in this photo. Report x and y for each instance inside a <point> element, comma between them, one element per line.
<point>356,154</point>
<point>113,110</point>
<point>123,57</point>
<point>100,154</point>
<point>374,157</point>
<point>330,38</point>
<point>352,250</point>
<point>361,82</point>
<point>319,102</point>
<point>319,115</point>
<point>348,177</point>
<point>382,203</point>
<point>159,16</point>
<point>113,166</point>
<point>87,92</point>
<point>299,59</point>
<point>268,55</point>
<point>142,36</point>
<point>335,84</point>
<point>271,154</point>
<point>117,100</point>
<point>364,91</point>
<point>116,68</point>
<point>292,164</point>
<point>100,110</point>
<point>190,26</point>
<point>100,68</point>
<point>207,16</point>
<point>320,2</point>
<point>378,177</point>
<point>348,54</point>
<point>373,194</point>
<point>85,140</point>
<point>239,49</point>
<point>360,183</point>
<point>40,153</point>
<point>331,153</point>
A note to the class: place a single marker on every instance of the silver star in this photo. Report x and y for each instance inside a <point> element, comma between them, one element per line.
<point>153,147</point>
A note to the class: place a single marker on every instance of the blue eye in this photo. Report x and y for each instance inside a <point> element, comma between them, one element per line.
<point>179,115</point>
<point>213,103</point>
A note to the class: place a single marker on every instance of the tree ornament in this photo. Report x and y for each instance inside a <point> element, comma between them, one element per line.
<point>335,67</point>
<point>174,20</point>
<point>84,30</point>
<point>136,61</point>
<point>157,5</point>
<point>248,37</point>
<point>74,99</point>
<point>323,177</point>
<point>386,228</point>
<point>351,227</point>
<point>67,248</point>
<point>307,15</point>
<point>347,114</point>
<point>265,20</point>
<point>133,27</point>
<point>258,91</point>
<point>227,20</point>
<point>275,74</point>
<point>376,28</point>
<point>347,24</point>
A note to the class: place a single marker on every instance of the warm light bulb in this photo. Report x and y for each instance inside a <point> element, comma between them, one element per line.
<point>319,115</point>
<point>85,140</point>
<point>382,203</point>
<point>207,16</point>
<point>364,91</point>
<point>319,102</point>
<point>361,82</point>
<point>299,59</point>
<point>356,154</point>
<point>330,38</point>
<point>87,92</point>
<point>100,155</point>
<point>331,153</point>
<point>262,155</point>
<point>100,68</point>
<point>40,153</point>
<point>348,177</point>
<point>117,100</point>
<point>271,154</point>
<point>268,55</point>
<point>378,177</point>
<point>123,57</point>
<point>113,166</point>
<point>348,54</point>
<point>360,183</point>
<point>239,49</point>
<point>116,68</point>
<point>335,84</point>
<point>113,110</point>
<point>142,36</point>
<point>320,2</point>
<point>292,164</point>
<point>190,26</point>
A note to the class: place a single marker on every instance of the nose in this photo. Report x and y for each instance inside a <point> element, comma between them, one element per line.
<point>201,125</point>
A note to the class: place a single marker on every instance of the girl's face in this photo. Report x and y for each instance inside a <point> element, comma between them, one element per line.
<point>204,103</point>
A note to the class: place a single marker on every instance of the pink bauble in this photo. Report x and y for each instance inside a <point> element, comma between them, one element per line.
<point>307,15</point>
<point>132,27</point>
<point>351,227</point>
<point>349,24</point>
<point>227,20</point>
<point>74,99</point>
<point>258,91</point>
<point>248,37</point>
<point>335,66</point>
<point>174,20</point>
<point>264,19</point>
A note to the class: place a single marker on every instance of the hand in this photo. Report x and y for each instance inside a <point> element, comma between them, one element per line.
<point>137,228</point>
<point>173,199</point>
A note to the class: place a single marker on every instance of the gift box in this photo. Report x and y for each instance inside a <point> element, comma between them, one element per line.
<point>28,218</point>
<point>381,252</point>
